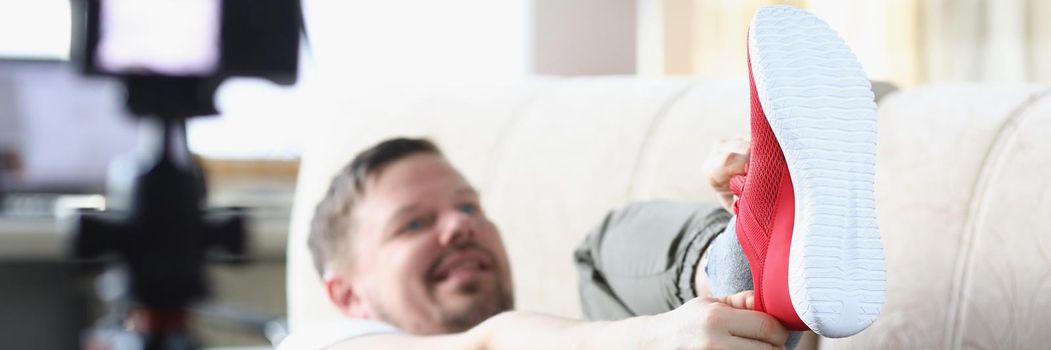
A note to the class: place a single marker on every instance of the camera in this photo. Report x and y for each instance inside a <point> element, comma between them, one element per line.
<point>195,39</point>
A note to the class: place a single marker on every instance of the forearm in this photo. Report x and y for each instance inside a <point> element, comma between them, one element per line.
<point>520,330</point>
<point>523,330</point>
<point>458,341</point>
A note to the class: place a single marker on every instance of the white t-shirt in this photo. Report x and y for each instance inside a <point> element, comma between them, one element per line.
<point>328,333</point>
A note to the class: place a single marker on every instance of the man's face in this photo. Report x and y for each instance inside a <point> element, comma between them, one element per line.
<point>424,256</point>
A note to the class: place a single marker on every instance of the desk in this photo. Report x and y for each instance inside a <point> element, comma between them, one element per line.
<point>46,300</point>
<point>45,238</point>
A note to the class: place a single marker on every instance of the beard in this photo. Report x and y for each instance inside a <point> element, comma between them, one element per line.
<point>485,298</point>
<point>481,308</point>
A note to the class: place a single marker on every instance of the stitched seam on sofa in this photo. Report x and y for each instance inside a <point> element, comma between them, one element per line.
<point>517,114</point>
<point>651,130</point>
<point>987,173</point>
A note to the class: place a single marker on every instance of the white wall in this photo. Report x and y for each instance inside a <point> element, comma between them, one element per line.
<point>366,44</point>
<point>583,37</point>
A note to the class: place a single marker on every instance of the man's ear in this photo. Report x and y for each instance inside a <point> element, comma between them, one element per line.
<point>344,294</point>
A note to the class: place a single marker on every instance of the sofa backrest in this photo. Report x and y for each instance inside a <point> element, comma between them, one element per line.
<point>962,186</point>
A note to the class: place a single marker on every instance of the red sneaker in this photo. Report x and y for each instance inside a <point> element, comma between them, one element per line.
<point>806,214</point>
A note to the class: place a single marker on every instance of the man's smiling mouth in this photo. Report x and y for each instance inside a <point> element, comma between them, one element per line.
<point>461,265</point>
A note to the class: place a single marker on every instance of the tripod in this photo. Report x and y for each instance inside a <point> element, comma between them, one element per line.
<point>160,241</point>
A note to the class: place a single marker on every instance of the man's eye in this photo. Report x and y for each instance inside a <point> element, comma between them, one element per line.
<point>469,209</point>
<point>414,225</point>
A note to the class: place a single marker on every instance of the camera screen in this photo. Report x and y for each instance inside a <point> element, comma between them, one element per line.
<point>165,37</point>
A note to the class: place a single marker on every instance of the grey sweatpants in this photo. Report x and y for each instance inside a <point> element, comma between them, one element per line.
<point>641,259</point>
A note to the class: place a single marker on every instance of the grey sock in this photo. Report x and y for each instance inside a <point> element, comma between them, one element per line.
<point>728,271</point>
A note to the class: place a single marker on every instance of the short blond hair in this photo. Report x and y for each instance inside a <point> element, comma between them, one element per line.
<point>332,225</point>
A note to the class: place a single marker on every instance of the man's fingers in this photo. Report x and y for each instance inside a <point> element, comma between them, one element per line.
<point>732,342</point>
<point>743,300</point>
<point>727,158</point>
<point>732,164</point>
<point>736,163</point>
<point>756,325</point>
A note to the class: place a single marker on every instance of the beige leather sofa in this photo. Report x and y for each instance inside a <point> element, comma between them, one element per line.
<point>963,188</point>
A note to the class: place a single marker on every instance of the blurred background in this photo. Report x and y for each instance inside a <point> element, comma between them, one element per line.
<point>59,131</point>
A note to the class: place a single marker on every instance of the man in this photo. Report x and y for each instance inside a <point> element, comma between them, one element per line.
<point>406,251</point>
<point>403,238</point>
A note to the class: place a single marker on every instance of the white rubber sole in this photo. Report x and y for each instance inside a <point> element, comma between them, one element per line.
<point>820,106</point>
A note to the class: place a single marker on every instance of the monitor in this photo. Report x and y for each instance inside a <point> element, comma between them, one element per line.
<point>62,128</point>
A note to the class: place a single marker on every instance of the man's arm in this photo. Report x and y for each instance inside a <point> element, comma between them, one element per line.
<point>698,324</point>
<point>517,330</point>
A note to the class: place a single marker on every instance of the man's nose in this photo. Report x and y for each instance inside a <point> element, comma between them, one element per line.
<point>455,227</point>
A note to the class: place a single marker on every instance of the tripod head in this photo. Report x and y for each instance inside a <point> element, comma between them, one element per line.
<point>165,234</point>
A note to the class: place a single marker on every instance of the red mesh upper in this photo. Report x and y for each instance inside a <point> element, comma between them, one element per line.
<point>765,166</point>
<point>756,203</point>
<point>766,194</point>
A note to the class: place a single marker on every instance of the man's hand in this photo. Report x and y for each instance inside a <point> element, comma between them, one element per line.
<point>716,323</point>
<point>728,159</point>
<point>702,323</point>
